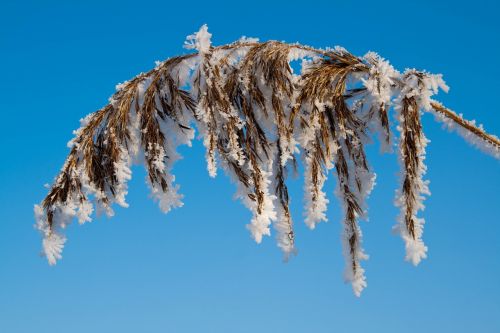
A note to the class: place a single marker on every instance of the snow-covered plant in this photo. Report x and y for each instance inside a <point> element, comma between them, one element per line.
<point>256,116</point>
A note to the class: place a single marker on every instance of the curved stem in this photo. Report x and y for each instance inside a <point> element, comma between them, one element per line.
<point>491,139</point>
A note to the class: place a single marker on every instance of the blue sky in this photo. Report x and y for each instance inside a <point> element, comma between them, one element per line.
<point>196,269</point>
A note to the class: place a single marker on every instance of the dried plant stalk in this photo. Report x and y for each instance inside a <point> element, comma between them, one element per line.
<point>256,116</point>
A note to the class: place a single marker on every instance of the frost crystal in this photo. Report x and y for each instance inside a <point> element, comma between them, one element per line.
<point>52,246</point>
<point>200,40</point>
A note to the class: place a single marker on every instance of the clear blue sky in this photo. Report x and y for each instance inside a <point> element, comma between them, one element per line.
<point>196,269</point>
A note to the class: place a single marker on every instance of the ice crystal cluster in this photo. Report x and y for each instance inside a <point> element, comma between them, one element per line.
<point>256,117</point>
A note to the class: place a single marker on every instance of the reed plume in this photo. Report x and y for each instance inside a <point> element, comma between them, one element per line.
<point>256,117</point>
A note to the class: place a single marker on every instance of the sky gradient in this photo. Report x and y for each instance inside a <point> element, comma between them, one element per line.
<point>196,269</point>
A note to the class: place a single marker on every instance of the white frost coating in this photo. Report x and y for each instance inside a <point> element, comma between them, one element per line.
<point>134,143</point>
<point>171,198</point>
<point>471,138</point>
<point>85,209</point>
<point>380,84</point>
<point>208,138</point>
<point>210,156</point>
<point>123,175</point>
<point>53,243</point>
<point>212,121</point>
<point>207,116</point>
<point>159,159</point>
<point>52,246</point>
<point>83,122</point>
<point>91,190</point>
<point>367,181</point>
<point>315,202</point>
<point>185,69</point>
<point>415,248</point>
<point>288,148</point>
<point>283,236</point>
<point>381,78</point>
<point>259,225</point>
<point>167,155</point>
<point>357,278</point>
<point>283,225</point>
<point>245,39</point>
<point>41,222</point>
<point>296,53</point>
<point>315,210</point>
<point>200,40</point>
<point>422,88</point>
<point>62,214</point>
